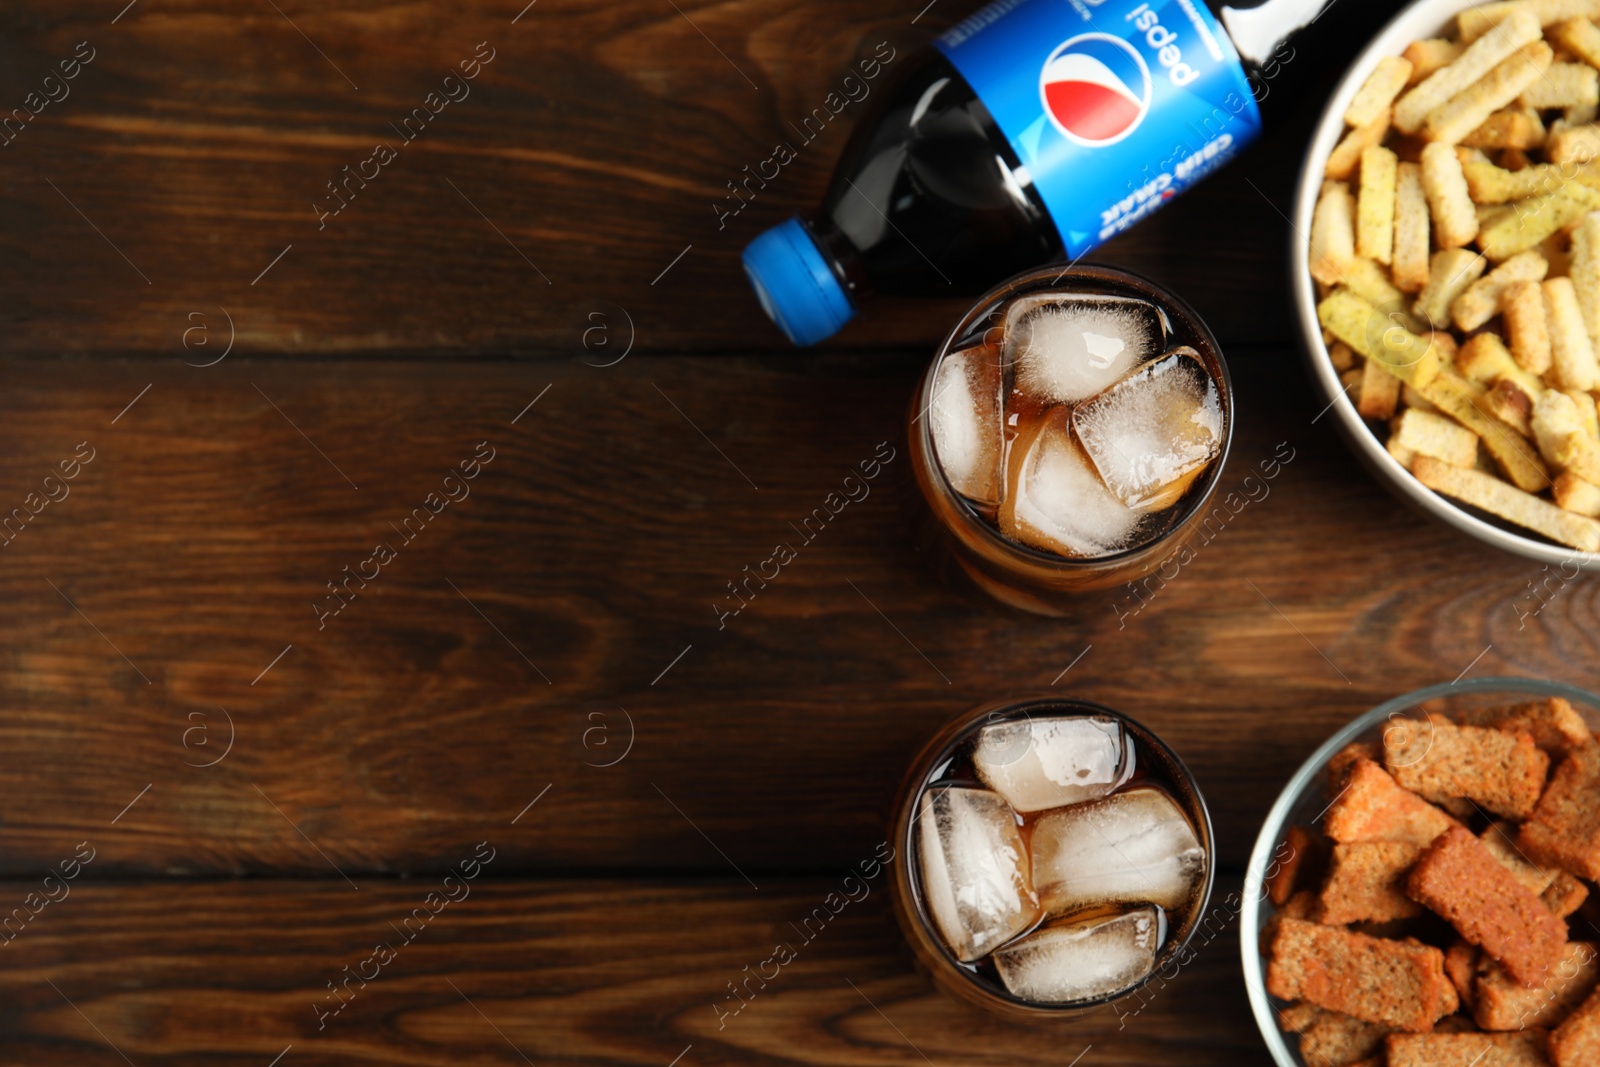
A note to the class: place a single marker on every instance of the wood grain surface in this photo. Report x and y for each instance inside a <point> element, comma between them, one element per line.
<point>537,284</point>
<point>579,164</point>
<point>540,972</point>
<point>579,585</point>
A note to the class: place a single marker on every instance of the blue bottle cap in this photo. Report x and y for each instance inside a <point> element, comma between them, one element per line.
<point>797,289</point>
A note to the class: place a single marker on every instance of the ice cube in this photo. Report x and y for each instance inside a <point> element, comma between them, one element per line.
<point>1072,961</point>
<point>1054,500</point>
<point>1154,432</point>
<point>1046,763</point>
<point>1068,349</point>
<point>974,870</point>
<point>1130,848</point>
<point>968,427</point>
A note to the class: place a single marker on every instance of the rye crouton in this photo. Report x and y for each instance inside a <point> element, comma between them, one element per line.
<point>1335,1040</point>
<point>1565,827</point>
<point>1329,1039</point>
<point>1340,763</point>
<point>1576,1042</point>
<point>1372,808</point>
<point>1460,807</point>
<point>1461,965</point>
<point>1565,895</point>
<point>1401,984</point>
<point>1295,1018</point>
<point>1366,882</point>
<point>1554,725</point>
<point>1561,893</point>
<point>1303,905</point>
<point>1284,871</point>
<point>1501,841</point>
<point>1525,1049</point>
<point>1501,1003</point>
<point>1504,772</point>
<point>1460,881</point>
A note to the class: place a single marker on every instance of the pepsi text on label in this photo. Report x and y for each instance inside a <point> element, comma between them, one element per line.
<point>1160,38</point>
<point>1123,106</point>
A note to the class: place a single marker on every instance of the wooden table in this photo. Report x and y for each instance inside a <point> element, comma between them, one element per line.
<point>536,685</point>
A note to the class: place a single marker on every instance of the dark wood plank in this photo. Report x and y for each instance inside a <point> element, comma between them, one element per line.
<point>171,697</point>
<point>545,972</point>
<point>596,545</point>
<point>598,141</point>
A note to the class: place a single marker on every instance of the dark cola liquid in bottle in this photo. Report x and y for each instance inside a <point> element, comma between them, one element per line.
<point>1036,130</point>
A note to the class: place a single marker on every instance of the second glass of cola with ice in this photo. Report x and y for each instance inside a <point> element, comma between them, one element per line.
<point>1058,856</point>
<point>1070,431</point>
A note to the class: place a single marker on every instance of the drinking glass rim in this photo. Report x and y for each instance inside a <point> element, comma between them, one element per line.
<point>1022,284</point>
<point>957,730</point>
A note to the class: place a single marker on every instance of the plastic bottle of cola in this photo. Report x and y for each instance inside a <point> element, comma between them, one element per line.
<point>1036,130</point>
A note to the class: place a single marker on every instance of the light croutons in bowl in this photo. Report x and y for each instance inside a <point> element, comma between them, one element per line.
<point>1447,245</point>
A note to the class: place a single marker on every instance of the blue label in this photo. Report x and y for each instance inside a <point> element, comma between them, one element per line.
<point>1113,107</point>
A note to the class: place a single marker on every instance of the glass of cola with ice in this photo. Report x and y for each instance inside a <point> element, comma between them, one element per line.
<point>1069,432</point>
<point>1057,856</point>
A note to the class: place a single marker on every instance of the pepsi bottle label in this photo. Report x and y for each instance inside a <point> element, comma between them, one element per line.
<point>1112,106</point>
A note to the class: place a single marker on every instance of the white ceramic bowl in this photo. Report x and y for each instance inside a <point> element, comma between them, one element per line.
<point>1305,798</point>
<point>1424,18</point>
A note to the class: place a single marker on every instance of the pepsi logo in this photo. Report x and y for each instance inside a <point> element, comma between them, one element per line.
<point>1095,88</point>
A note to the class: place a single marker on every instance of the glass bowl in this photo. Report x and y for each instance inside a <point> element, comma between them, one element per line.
<point>1306,797</point>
